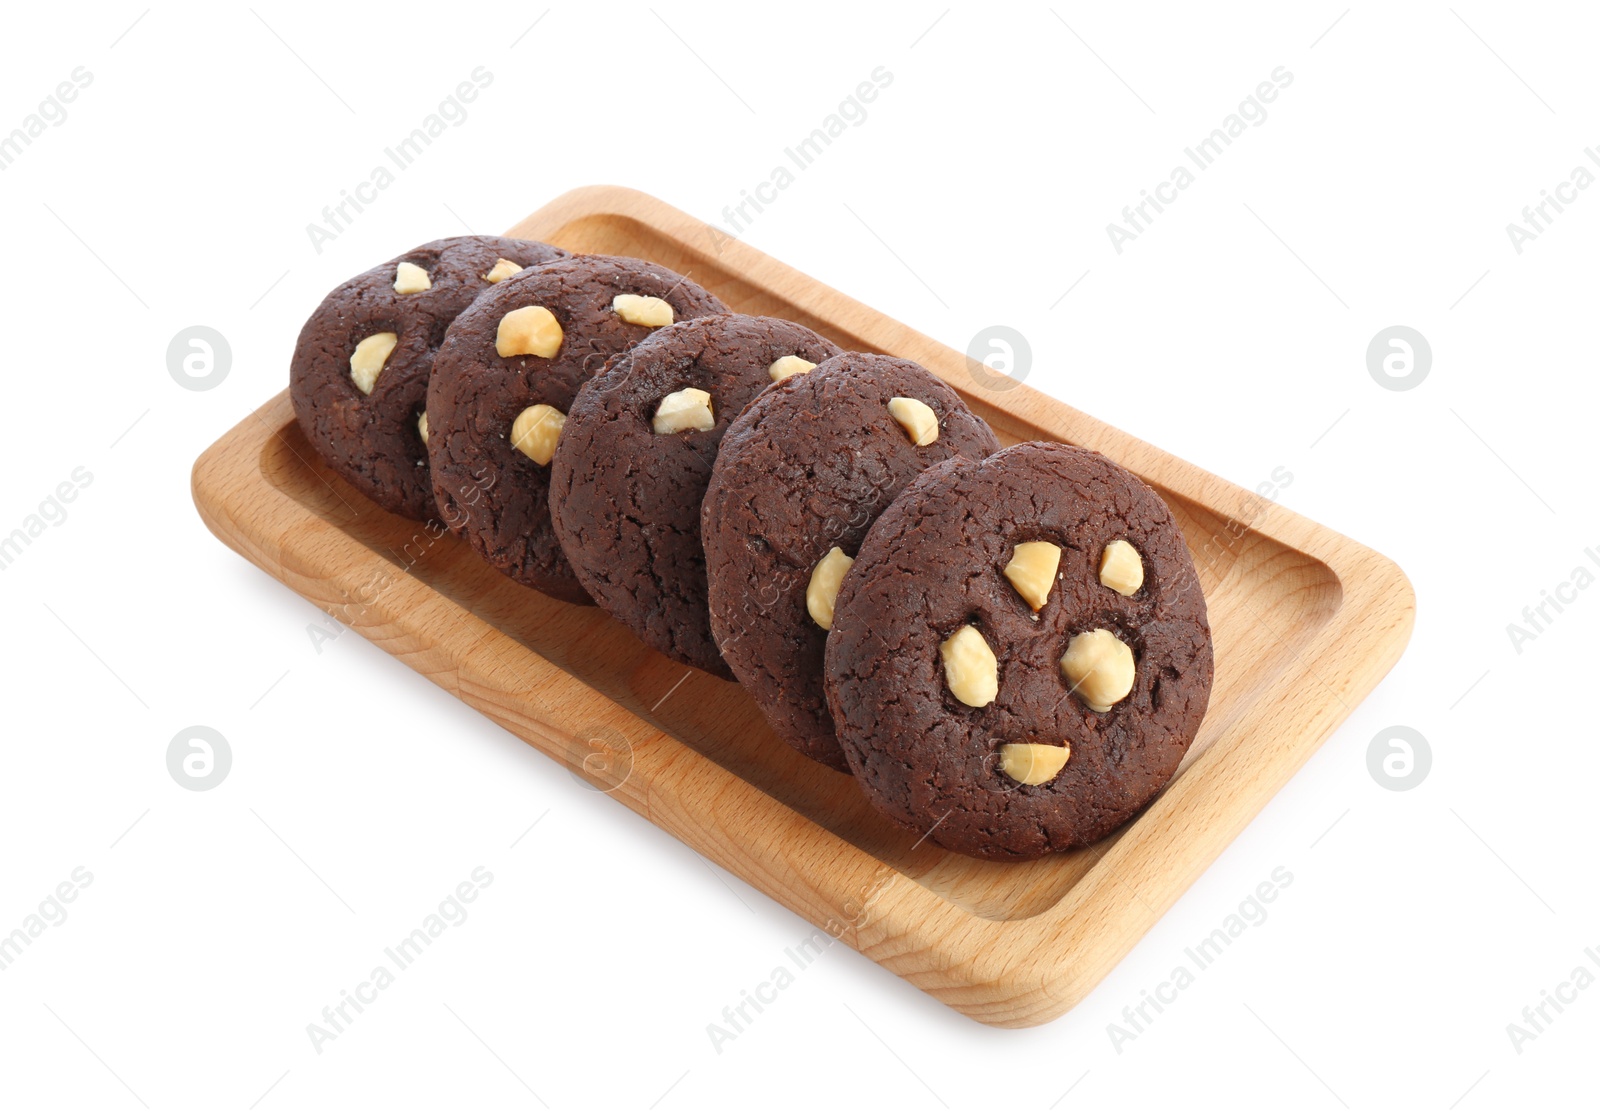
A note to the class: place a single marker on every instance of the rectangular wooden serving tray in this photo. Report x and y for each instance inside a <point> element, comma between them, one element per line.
<point>1305,621</point>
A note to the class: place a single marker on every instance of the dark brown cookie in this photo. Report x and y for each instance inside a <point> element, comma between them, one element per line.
<point>940,579</point>
<point>489,380</point>
<point>625,496</point>
<point>804,470</point>
<point>370,435</point>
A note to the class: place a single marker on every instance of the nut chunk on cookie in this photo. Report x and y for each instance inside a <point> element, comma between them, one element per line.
<point>410,278</point>
<point>1121,569</point>
<point>789,365</point>
<point>804,471</point>
<point>824,586</point>
<point>528,330</point>
<point>501,399</point>
<point>643,310</point>
<point>1033,763</point>
<point>634,458</point>
<point>1099,667</point>
<point>535,430</point>
<point>359,375</point>
<point>684,410</point>
<point>990,686</point>
<point>1032,571</point>
<point>368,360</point>
<point>970,667</point>
<point>920,422</point>
<point>503,270</point>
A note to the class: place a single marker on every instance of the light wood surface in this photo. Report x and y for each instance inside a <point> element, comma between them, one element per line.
<point>1305,623</point>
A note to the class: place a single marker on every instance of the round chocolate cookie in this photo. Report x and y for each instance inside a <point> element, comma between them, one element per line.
<point>634,458</point>
<point>360,370</point>
<point>799,478</point>
<point>1020,655</point>
<point>503,382</point>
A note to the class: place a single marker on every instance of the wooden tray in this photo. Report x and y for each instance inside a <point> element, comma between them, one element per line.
<point>1305,621</point>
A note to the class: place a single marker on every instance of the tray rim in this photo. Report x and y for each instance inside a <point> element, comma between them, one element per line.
<point>1008,972</point>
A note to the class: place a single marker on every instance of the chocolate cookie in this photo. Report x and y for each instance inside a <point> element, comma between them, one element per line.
<point>634,458</point>
<point>360,370</point>
<point>1020,655</point>
<point>503,382</point>
<point>799,478</point>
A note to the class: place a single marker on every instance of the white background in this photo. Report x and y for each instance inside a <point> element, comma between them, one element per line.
<point>1232,332</point>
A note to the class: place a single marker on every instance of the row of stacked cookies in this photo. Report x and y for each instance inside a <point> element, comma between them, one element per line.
<point>1008,649</point>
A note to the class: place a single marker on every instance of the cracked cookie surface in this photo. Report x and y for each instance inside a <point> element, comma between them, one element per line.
<point>488,481</point>
<point>625,497</point>
<point>806,469</point>
<point>369,434</point>
<point>937,562</point>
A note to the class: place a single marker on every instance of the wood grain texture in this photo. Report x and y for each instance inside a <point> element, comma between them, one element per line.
<point>1305,621</point>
